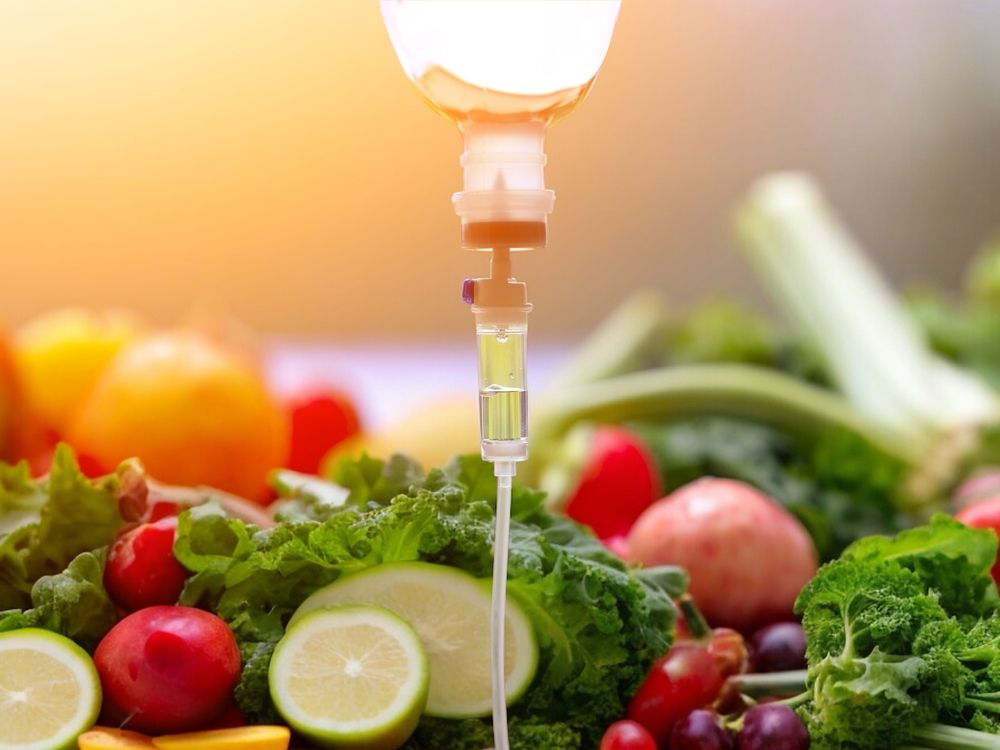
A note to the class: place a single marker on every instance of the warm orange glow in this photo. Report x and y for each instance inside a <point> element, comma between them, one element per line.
<point>273,158</point>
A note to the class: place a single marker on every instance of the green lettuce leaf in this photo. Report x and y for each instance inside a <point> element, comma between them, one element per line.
<point>44,524</point>
<point>73,603</point>
<point>599,626</point>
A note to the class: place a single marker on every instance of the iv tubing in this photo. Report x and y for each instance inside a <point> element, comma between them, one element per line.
<point>504,471</point>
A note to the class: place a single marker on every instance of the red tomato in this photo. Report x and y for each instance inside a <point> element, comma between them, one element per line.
<point>142,570</point>
<point>984,514</point>
<point>320,419</point>
<point>686,679</point>
<point>627,735</point>
<point>171,669</point>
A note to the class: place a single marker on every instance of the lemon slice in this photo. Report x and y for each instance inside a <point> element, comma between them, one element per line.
<point>49,691</point>
<point>450,610</point>
<point>350,677</point>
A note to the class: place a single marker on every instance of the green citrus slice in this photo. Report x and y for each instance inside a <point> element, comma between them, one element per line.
<point>450,610</point>
<point>49,691</point>
<point>350,677</point>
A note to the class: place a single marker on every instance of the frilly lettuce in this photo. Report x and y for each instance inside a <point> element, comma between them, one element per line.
<point>599,626</point>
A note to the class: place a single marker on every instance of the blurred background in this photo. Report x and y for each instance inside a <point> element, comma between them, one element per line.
<point>272,159</point>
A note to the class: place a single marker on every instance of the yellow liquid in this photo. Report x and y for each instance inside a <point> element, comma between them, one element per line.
<point>461,101</point>
<point>503,400</point>
<point>503,413</point>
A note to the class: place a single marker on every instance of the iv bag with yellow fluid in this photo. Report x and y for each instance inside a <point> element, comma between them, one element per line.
<point>503,70</point>
<point>501,60</point>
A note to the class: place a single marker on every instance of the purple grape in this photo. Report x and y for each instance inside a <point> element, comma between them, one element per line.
<point>778,648</point>
<point>773,726</point>
<point>700,730</point>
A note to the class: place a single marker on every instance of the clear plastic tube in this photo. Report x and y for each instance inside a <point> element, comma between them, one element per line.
<point>504,471</point>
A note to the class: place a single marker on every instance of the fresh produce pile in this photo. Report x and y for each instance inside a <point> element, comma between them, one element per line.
<point>738,541</point>
<point>191,402</point>
<point>187,616</point>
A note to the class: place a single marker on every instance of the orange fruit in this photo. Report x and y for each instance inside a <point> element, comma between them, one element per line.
<point>192,410</point>
<point>61,354</point>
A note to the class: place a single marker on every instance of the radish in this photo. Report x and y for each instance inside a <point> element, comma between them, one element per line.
<point>984,514</point>
<point>605,479</point>
<point>747,556</point>
<point>982,485</point>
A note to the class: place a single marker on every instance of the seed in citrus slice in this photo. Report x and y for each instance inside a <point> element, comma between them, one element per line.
<point>49,691</point>
<point>450,610</point>
<point>350,678</point>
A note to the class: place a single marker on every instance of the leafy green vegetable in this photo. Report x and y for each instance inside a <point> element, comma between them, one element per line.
<point>966,330</point>
<point>840,487</point>
<point>903,635</point>
<point>843,307</point>
<point>599,627</point>
<point>73,603</point>
<point>44,524</point>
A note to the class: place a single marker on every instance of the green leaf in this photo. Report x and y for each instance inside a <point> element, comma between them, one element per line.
<point>44,524</point>
<point>73,603</point>
<point>950,557</point>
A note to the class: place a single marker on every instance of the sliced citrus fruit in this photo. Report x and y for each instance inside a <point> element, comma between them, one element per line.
<point>450,610</point>
<point>49,691</point>
<point>350,677</point>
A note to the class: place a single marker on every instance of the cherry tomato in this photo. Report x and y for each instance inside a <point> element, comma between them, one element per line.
<point>627,735</point>
<point>686,679</point>
<point>320,419</point>
<point>142,570</point>
<point>729,650</point>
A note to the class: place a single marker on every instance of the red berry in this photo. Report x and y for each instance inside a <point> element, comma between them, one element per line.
<point>686,679</point>
<point>141,570</point>
<point>627,735</point>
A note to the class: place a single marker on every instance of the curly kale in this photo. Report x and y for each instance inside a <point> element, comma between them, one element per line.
<point>599,626</point>
<point>904,643</point>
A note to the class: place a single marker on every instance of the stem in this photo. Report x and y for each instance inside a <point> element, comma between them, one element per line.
<point>771,683</point>
<point>983,705</point>
<point>805,411</point>
<point>944,737</point>
<point>844,307</point>
<point>694,618</point>
<point>629,339</point>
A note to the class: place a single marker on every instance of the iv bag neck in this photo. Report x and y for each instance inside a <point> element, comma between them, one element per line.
<point>504,200</point>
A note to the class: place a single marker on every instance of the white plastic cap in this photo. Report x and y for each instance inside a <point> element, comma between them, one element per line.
<point>504,174</point>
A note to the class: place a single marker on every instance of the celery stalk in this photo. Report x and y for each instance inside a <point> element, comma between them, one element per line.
<point>735,390</point>
<point>825,284</point>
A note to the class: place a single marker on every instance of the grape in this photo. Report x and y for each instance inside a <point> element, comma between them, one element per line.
<point>627,735</point>
<point>700,730</point>
<point>773,726</point>
<point>778,648</point>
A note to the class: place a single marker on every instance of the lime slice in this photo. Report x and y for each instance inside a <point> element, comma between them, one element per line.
<point>49,691</point>
<point>450,610</point>
<point>350,677</point>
